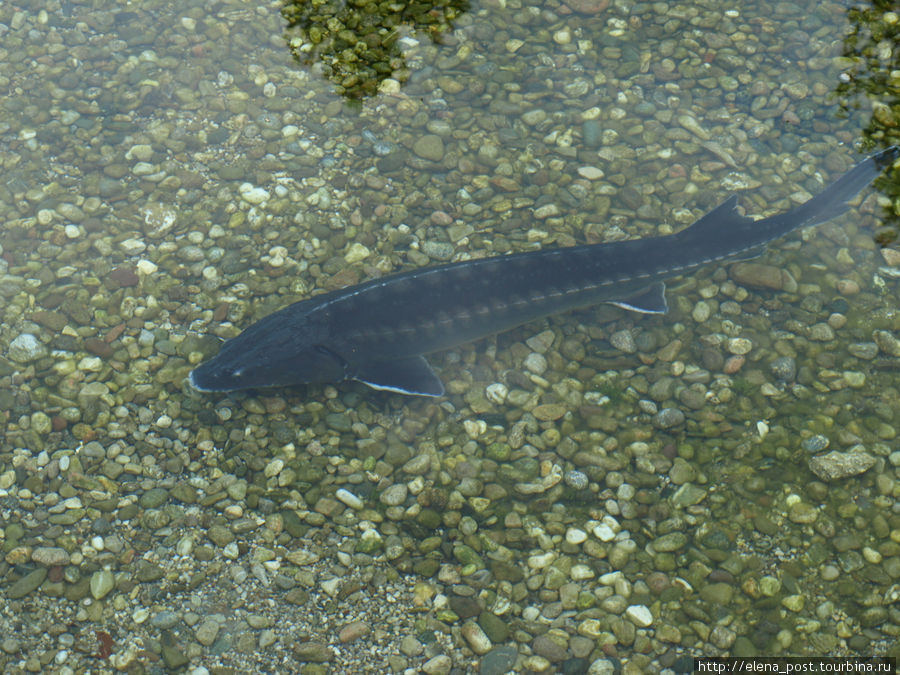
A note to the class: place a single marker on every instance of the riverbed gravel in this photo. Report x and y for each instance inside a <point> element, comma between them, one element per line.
<point>598,492</point>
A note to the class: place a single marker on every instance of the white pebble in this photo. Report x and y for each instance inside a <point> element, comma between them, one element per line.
<point>348,498</point>
<point>590,172</point>
<point>639,615</point>
<point>252,194</point>
<point>146,268</point>
<point>604,532</point>
<point>496,393</point>
<point>575,536</point>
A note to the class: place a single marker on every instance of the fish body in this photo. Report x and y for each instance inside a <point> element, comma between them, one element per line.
<point>378,332</point>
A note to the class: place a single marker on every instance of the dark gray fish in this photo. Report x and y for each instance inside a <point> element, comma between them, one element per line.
<point>377,332</point>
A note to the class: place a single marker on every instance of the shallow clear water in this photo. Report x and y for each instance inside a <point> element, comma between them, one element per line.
<point>175,172</point>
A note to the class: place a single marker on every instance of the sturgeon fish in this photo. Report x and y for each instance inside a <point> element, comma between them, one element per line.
<point>379,331</point>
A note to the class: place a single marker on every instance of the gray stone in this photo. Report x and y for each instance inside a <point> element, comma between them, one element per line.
<point>207,631</point>
<point>25,585</point>
<point>394,495</point>
<point>499,660</point>
<point>784,368</point>
<point>26,348</point>
<point>886,342</point>
<point>836,465</point>
<point>429,146</point>
<point>668,418</point>
<point>50,556</point>
<point>623,340</point>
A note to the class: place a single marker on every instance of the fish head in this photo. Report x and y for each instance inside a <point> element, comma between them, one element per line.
<point>269,354</point>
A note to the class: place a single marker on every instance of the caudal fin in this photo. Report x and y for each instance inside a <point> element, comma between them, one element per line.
<point>731,229</point>
<point>833,200</point>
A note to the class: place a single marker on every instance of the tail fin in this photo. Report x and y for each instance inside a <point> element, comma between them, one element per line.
<point>725,224</point>
<point>833,200</point>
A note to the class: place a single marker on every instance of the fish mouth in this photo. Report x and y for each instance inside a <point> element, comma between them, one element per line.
<point>192,380</point>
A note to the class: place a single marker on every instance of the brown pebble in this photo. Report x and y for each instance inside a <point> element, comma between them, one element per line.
<point>733,364</point>
<point>98,347</point>
<point>353,631</point>
<point>52,320</point>
<point>847,287</point>
<point>757,275</point>
<point>114,333</point>
<point>221,311</point>
<point>58,423</point>
<point>441,218</point>
<point>124,277</point>
<point>657,582</point>
<point>720,575</point>
<point>343,278</point>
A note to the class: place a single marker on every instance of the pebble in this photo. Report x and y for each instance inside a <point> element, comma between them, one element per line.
<point>430,147</point>
<point>757,275</point>
<point>546,211</point>
<point>207,631</point>
<point>739,346</point>
<point>437,665</point>
<point>668,418</point>
<point>252,194</point>
<point>639,615</point>
<point>476,638</point>
<point>575,479</point>
<point>623,340</point>
<point>886,342</point>
<point>821,332</point>
<point>701,311</point>
<point>692,125</point>
<point>549,412</point>
<point>394,495</point>
<point>356,253</point>
<point>837,465</point>
<point>815,443</point>
<point>353,631</point>
<point>313,652</point>
<point>26,348</point>
<point>672,541</point>
<point>534,117</point>
<point>784,368</point>
<point>102,582</point>
<point>26,584</point>
<point>50,556</point>
<point>536,363</point>
<point>733,364</point>
<point>499,660</point>
<point>496,393</point>
<point>863,350</point>
<point>604,532</point>
<point>348,498</point>
<point>575,536</point>
<point>590,172</point>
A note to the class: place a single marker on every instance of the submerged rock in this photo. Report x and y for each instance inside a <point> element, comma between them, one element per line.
<point>836,465</point>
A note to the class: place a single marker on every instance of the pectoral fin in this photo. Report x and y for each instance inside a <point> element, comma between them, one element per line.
<point>650,300</point>
<point>411,376</point>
